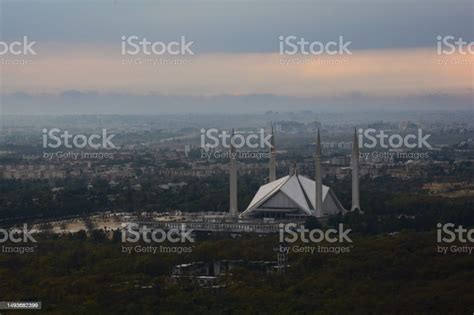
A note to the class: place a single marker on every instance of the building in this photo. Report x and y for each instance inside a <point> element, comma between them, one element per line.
<point>291,196</point>
<point>295,196</point>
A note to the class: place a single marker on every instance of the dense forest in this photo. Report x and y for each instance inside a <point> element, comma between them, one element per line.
<point>401,274</point>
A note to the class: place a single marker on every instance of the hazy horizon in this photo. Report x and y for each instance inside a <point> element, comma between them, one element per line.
<point>236,63</point>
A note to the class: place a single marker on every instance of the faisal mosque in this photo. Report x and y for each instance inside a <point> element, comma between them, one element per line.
<point>294,196</point>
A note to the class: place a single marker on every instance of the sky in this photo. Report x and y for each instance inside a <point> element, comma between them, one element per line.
<point>237,64</point>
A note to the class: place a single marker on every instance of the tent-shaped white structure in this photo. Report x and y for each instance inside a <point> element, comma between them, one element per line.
<point>289,197</point>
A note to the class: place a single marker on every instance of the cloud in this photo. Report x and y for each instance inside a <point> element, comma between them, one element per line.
<point>239,26</point>
<point>236,66</point>
<point>386,72</point>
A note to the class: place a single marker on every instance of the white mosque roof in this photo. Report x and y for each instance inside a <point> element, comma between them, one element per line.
<point>300,189</point>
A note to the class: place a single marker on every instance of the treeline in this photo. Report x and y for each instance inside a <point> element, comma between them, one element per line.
<point>76,274</point>
<point>31,199</point>
<point>389,204</point>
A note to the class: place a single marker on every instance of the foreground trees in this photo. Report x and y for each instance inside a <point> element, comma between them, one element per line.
<point>381,274</point>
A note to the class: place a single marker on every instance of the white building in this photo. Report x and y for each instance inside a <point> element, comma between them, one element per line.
<point>291,196</point>
<point>294,195</point>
